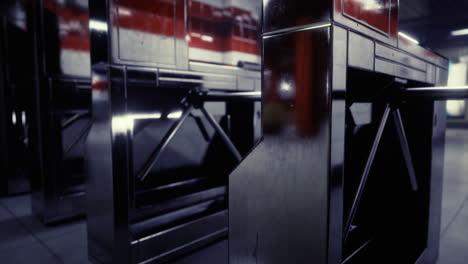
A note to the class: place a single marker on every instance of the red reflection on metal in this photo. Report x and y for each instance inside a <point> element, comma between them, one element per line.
<point>160,17</point>
<point>100,85</point>
<point>73,26</point>
<point>306,122</point>
<point>209,27</point>
<point>375,13</point>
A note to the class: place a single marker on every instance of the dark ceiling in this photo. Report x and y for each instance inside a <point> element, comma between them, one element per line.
<point>432,21</point>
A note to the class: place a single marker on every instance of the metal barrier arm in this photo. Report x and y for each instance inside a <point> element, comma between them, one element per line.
<point>395,111</point>
<point>73,119</point>
<point>222,134</point>
<point>365,174</point>
<point>154,157</point>
<point>428,93</point>
<point>437,93</point>
<point>197,100</point>
<point>230,97</point>
<point>398,120</point>
<point>201,126</point>
<point>81,136</point>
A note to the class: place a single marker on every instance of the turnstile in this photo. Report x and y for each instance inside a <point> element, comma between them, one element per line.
<point>16,81</point>
<point>350,167</point>
<point>61,107</point>
<point>175,106</point>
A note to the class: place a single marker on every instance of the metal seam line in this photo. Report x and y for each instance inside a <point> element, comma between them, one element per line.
<point>296,29</point>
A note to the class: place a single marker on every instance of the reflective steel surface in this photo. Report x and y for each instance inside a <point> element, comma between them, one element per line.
<point>283,14</point>
<point>375,13</point>
<point>278,196</point>
<point>60,101</point>
<point>15,82</point>
<point>375,18</point>
<point>163,141</point>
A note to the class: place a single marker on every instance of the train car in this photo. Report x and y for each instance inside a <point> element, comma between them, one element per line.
<point>176,89</point>
<point>350,164</point>
<point>61,103</point>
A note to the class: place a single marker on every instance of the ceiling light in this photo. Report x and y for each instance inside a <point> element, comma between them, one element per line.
<point>460,32</point>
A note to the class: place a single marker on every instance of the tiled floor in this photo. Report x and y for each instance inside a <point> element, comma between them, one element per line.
<point>23,239</point>
<point>454,237</point>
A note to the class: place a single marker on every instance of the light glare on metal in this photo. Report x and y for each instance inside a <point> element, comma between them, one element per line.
<point>98,25</point>
<point>207,38</point>
<point>175,115</point>
<point>156,115</point>
<point>408,38</point>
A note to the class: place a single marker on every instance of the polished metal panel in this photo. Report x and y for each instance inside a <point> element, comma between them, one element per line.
<point>137,38</point>
<point>374,18</point>
<point>400,57</point>
<point>205,36</point>
<point>360,52</point>
<point>337,145</point>
<point>422,53</point>
<point>431,74</point>
<point>437,173</point>
<point>340,58</point>
<point>441,76</point>
<point>283,14</point>
<point>62,91</point>
<point>170,123</point>
<point>278,196</point>
<point>15,82</point>
<point>66,39</point>
<point>374,13</point>
<point>398,70</point>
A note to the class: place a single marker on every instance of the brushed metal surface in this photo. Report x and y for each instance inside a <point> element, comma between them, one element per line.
<point>400,57</point>
<point>360,51</point>
<point>283,14</point>
<point>278,196</point>
<point>398,70</point>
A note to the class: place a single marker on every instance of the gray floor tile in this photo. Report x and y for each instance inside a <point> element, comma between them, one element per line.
<point>71,247</point>
<point>44,232</point>
<point>29,253</point>
<point>454,241</point>
<point>452,201</point>
<point>4,214</point>
<point>453,251</point>
<point>458,229</point>
<point>13,235</point>
<point>18,205</point>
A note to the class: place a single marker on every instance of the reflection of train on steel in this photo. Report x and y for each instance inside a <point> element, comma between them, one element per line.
<point>62,101</point>
<point>72,22</point>
<point>219,32</point>
<point>155,64</point>
<point>15,82</point>
<point>223,32</point>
